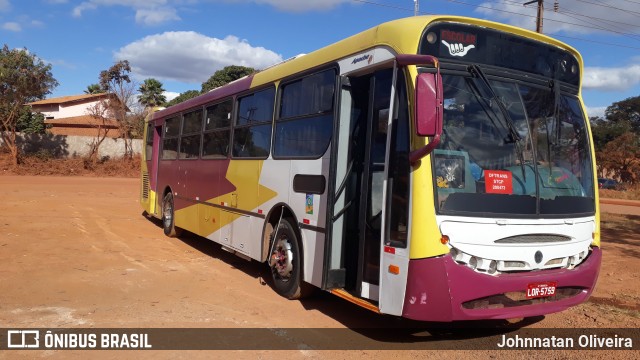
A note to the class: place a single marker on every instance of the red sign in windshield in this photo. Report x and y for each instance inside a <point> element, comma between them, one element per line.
<point>498,182</point>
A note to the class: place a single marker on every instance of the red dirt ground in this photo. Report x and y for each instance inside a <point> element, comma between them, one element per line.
<point>77,252</point>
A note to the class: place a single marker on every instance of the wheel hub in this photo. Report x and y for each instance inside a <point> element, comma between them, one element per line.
<point>282,257</point>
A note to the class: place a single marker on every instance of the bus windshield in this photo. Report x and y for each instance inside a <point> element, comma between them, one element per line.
<point>512,149</point>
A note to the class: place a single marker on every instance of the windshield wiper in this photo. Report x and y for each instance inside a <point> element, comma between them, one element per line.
<point>513,133</point>
<point>514,136</point>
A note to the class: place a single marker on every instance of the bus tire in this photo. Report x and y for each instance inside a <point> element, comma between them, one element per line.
<point>168,217</point>
<point>286,262</point>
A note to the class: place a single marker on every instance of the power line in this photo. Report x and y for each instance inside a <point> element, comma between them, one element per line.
<point>568,14</point>
<point>532,16</point>
<point>539,17</point>
<point>598,42</point>
<point>609,6</point>
<point>518,3</point>
<point>505,11</point>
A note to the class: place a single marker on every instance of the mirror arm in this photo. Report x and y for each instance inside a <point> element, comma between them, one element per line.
<point>416,155</point>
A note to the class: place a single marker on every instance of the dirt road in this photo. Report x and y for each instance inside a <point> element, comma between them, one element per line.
<point>77,252</point>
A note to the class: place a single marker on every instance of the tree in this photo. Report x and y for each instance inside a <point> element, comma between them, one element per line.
<point>622,156</point>
<point>189,94</point>
<point>627,110</point>
<point>225,76</point>
<point>117,81</point>
<point>94,89</point>
<point>605,131</point>
<point>30,123</point>
<point>100,111</point>
<point>23,78</point>
<point>151,93</point>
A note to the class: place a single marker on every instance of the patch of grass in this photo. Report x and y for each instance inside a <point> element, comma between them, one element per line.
<point>628,192</point>
<point>42,164</point>
<point>612,309</point>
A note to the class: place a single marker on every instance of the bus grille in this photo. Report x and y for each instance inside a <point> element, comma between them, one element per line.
<point>145,185</point>
<point>519,298</point>
<point>533,239</point>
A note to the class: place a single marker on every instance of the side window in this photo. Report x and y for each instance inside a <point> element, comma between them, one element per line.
<point>252,131</point>
<point>170,138</point>
<point>217,124</point>
<point>305,122</point>
<point>148,149</point>
<point>190,139</point>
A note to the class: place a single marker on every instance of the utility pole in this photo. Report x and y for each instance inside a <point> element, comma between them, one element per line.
<point>540,10</point>
<point>416,8</point>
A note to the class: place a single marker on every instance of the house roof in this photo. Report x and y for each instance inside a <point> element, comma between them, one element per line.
<point>82,120</point>
<point>69,99</point>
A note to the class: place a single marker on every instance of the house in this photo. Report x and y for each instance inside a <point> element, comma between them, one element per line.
<point>73,115</point>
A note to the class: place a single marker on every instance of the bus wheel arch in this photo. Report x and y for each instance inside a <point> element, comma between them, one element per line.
<point>168,215</point>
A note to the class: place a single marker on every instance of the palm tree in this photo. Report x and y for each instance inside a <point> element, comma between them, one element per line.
<point>151,93</point>
<point>94,89</point>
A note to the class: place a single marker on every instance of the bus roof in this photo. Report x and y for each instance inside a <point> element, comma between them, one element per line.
<point>402,36</point>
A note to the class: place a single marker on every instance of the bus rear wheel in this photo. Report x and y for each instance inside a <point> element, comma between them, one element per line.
<point>168,217</point>
<point>285,261</point>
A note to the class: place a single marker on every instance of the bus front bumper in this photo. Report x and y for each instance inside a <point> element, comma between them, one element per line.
<point>439,289</point>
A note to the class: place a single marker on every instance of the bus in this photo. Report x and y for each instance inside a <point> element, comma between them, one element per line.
<point>437,168</point>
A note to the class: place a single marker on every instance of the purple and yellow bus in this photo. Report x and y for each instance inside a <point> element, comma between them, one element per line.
<point>436,168</point>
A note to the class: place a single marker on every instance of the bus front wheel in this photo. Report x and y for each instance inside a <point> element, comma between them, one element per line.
<point>168,216</point>
<point>285,262</point>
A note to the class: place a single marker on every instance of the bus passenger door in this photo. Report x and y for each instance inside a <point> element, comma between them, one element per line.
<point>359,167</point>
<point>152,156</point>
<point>371,191</point>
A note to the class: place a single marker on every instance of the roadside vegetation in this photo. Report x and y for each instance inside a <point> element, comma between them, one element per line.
<point>43,163</point>
<point>631,192</point>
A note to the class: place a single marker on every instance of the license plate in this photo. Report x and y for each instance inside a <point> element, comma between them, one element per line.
<point>541,289</point>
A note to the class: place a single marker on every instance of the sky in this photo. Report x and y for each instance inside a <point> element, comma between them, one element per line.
<point>183,42</point>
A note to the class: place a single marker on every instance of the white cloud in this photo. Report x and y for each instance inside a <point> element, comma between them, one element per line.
<point>611,79</point>
<point>12,26</point>
<point>78,10</point>
<point>170,95</point>
<point>303,5</point>
<point>5,5</point>
<point>596,111</point>
<point>148,12</point>
<point>61,63</point>
<point>191,57</point>
<point>154,12</point>
<point>573,16</point>
<point>156,16</point>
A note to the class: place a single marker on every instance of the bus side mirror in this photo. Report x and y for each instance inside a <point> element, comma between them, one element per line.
<point>428,104</point>
<point>428,108</point>
<point>428,112</point>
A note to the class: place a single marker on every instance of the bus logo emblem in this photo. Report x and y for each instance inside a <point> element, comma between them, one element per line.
<point>458,43</point>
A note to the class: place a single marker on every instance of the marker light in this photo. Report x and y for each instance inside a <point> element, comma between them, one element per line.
<point>394,269</point>
<point>444,239</point>
<point>432,38</point>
